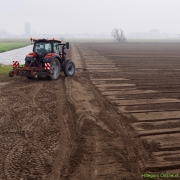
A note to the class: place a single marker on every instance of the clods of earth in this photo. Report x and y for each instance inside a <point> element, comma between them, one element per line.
<point>118,117</point>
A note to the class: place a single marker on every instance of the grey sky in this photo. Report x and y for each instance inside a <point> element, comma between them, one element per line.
<point>90,16</point>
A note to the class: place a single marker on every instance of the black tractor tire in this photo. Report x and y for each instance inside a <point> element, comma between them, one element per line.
<point>69,68</point>
<point>11,74</point>
<point>27,63</point>
<point>55,64</point>
<point>65,62</point>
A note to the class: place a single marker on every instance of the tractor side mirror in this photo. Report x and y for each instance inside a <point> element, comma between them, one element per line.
<point>67,45</point>
<point>31,40</point>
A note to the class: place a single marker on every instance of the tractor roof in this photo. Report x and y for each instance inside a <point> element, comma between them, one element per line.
<point>45,40</point>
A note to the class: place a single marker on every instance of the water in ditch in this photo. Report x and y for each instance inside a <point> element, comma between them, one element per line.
<point>15,55</point>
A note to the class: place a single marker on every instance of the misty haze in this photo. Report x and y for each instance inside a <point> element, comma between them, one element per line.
<point>91,19</point>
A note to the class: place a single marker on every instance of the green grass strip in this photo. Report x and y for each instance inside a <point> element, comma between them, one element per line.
<point>10,46</point>
<point>4,69</point>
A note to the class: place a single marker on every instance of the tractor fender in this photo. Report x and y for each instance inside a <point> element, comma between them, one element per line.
<point>30,56</point>
<point>49,57</point>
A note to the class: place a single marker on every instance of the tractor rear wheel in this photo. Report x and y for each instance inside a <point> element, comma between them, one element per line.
<point>55,65</point>
<point>69,68</point>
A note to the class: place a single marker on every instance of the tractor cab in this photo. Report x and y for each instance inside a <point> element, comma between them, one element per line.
<point>45,50</point>
<point>42,48</point>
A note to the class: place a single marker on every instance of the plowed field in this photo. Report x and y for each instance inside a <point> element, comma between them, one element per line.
<point>117,118</point>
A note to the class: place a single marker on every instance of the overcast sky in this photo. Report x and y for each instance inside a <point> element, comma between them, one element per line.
<point>90,16</point>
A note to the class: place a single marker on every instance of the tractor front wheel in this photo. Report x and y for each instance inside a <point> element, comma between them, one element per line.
<point>69,68</point>
<point>56,69</point>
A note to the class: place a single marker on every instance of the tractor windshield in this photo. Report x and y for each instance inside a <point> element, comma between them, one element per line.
<point>42,48</point>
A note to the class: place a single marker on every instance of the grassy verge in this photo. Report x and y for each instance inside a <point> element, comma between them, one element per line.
<point>6,46</point>
<point>4,69</point>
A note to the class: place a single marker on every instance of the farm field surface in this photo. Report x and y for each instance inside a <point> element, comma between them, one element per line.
<point>117,118</point>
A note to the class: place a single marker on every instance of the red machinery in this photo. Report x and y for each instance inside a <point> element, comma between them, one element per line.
<point>46,60</point>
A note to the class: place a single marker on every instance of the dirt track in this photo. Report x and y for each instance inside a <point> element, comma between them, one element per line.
<point>117,118</point>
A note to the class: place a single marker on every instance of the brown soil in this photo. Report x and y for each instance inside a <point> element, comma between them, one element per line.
<point>116,118</point>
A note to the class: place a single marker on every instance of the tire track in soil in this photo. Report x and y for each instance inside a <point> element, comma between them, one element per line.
<point>39,86</point>
<point>9,158</point>
<point>31,135</point>
<point>101,150</point>
<point>64,150</point>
